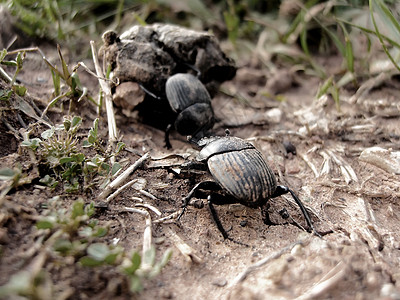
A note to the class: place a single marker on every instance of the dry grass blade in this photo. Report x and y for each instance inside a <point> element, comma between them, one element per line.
<point>119,190</point>
<point>147,234</point>
<point>347,171</point>
<point>150,207</point>
<point>310,164</point>
<point>368,85</point>
<point>170,217</point>
<point>188,252</point>
<point>112,126</point>
<point>122,177</point>
<point>242,276</point>
<point>332,278</point>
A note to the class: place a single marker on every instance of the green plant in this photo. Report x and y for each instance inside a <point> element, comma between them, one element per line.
<point>59,152</point>
<point>137,267</point>
<point>71,231</point>
<point>65,20</point>
<point>14,178</point>
<point>75,233</point>
<point>17,63</point>
<point>75,93</point>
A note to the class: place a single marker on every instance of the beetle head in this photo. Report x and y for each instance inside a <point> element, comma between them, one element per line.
<point>194,120</point>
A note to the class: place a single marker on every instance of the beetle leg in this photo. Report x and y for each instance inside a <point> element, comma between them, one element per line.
<point>204,185</point>
<point>280,190</point>
<point>212,199</point>
<point>166,137</point>
<point>215,217</point>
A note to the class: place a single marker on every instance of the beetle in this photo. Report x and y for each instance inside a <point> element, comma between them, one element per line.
<point>190,100</point>
<point>241,175</point>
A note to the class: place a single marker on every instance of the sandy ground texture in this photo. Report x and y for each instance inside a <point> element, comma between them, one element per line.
<point>345,170</point>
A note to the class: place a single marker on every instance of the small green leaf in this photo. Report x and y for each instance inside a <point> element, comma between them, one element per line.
<point>88,261</point>
<point>5,95</point>
<point>95,126</point>
<point>65,160</point>
<point>136,261</point>
<point>90,209</point>
<point>20,59</point>
<point>115,168</point>
<point>19,90</point>
<point>120,146</point>
<point>62,245</point>
<point>149,256</point>
<point>45,224</point>
<point>3,54</point>
<point>85,232</point>
<point>79,157</point>
<point>75,82</point>
<point>77,209</point>
<point>135,284</point>
<point>111,258</point>
<point>7,174</point>
<point>49,181</point>
<point>71,187</point>
<point>67,124</point>
<point>31,143</point>
<point>48,133</point>
<point>76,122</point>
<point>98,251</point>
<point>101,231</point>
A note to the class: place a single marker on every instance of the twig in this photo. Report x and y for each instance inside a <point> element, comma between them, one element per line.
<point>147,194</point>
<point>310,164</point>
<point>368,85</point>
<point>150,207</point>
<point>147,239</point>
<point>122,177</point>
<point>242,276</point>
<point>119,190</point>
<point>172,216</point>
<point>188,252</point>
<point>112,127</point>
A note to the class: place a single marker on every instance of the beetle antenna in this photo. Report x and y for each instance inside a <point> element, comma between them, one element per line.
<point>227,132</point>
<point>280,190</point>
<point>149,93</point>
<point>194,68</point>
<point>192,140</point>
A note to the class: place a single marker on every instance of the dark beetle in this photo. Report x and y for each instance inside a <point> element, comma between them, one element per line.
<point>241,173</point>
<point>189,98</point>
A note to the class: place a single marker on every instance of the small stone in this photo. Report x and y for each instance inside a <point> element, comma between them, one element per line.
<point>220,282</point>
<point>243,223</point>
<point>128,95</point>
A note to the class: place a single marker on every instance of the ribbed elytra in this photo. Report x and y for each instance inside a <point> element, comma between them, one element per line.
<point>243,174</point>
<point>184,90</point>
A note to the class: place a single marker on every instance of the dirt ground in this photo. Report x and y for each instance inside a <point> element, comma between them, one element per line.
<point>352,197</point>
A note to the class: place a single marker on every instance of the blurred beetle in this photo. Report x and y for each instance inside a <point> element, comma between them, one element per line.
<point>190,100</point>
